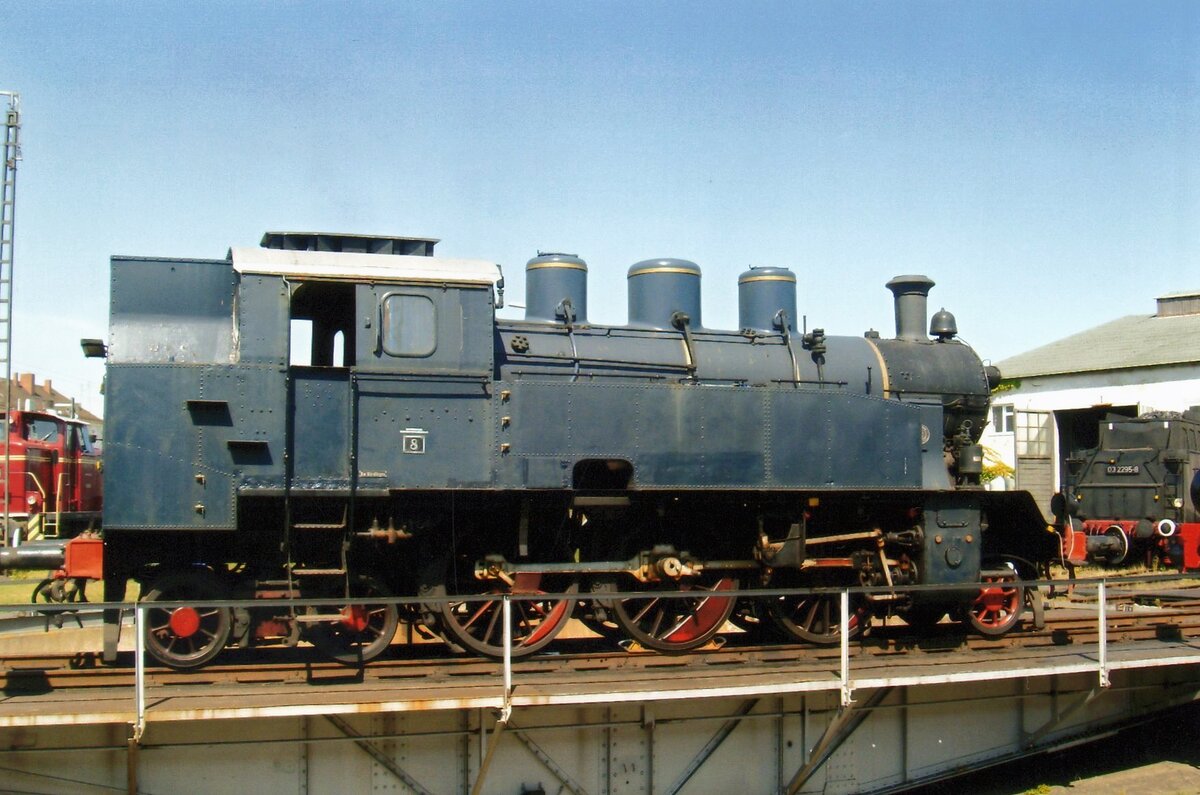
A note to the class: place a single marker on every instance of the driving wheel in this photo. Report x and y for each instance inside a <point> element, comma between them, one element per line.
<point>674,624</point>
<point>477,625</point>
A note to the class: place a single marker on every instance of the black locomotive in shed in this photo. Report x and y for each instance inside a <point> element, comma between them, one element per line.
<point>346,417</point>
<point>1135,497</point>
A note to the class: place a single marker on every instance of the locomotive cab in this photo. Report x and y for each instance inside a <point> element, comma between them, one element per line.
<point>399,359</point>
<point>287,392</point>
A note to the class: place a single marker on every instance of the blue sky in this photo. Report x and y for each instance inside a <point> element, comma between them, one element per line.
<point>1040,161</point>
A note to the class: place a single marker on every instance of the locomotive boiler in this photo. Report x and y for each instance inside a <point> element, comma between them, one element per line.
<point>347,417</point>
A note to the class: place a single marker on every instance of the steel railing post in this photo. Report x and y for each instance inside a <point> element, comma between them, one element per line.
<point>506,710</point>
<point>139,671</point>
<point>845,650</point>
<point>1102,599</point>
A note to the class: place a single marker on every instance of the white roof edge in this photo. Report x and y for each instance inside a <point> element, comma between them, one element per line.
<point>364,267</point>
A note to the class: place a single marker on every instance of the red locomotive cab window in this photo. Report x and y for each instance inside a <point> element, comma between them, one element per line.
<point>85,441</point>
<point>40,429</point>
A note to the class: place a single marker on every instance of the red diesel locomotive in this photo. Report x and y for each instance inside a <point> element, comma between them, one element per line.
<point>54,477</point>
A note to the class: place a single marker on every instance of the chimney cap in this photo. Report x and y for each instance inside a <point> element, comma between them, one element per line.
<point>912,283</point>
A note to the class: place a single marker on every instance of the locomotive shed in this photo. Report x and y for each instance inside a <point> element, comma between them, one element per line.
<point>905,710</point>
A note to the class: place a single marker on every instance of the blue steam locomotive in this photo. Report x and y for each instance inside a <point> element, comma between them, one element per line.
<point>347,417</point>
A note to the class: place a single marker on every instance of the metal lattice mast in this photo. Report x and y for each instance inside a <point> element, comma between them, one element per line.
<point>8,204</point>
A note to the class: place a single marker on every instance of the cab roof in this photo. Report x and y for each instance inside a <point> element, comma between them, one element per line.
<point>363,267</point>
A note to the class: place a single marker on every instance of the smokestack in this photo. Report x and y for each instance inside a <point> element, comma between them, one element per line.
<point>911,293</point>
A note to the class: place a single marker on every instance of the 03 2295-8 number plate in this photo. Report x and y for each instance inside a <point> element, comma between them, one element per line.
<point>1123,469</point>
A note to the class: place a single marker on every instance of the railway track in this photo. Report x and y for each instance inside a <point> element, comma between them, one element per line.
<point>1070,624</point>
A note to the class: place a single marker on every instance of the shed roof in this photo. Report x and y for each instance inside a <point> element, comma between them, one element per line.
<point>1125,343</point>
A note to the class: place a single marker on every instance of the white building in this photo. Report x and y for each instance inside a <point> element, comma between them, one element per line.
<point>1059,393</point>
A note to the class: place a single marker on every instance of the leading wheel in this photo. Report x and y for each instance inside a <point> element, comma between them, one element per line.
<point>478,625</point>
<point>997,607</point>
<point>193,634</point>
<point>676,624</point>
<point>357,632</point>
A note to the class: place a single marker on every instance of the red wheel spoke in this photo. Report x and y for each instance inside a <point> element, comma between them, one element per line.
<point>483,608</point>
<point>642,613</point>
<point>683,621</point>
<point>658,619</point>
<point>495,619</point>
<point>810,615</point>
<point>523,619</point>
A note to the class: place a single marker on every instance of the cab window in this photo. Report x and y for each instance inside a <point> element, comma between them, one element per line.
<point>38,429</point>
<point>409,325</point>
<point>322,325</point>
<point>80,442</point>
